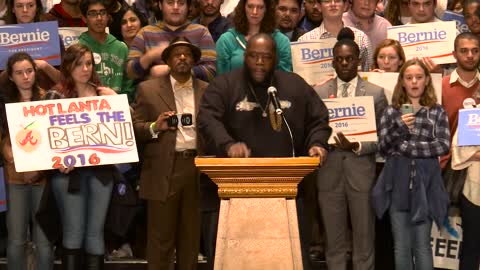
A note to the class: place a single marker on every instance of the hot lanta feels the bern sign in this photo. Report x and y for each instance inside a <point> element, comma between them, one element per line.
<point>71,132</point>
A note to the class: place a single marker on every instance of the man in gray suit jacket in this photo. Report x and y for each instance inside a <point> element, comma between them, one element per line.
<point>345,180</point>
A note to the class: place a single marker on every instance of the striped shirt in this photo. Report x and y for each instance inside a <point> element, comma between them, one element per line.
<point>366,50</point>
<point>152,36</point>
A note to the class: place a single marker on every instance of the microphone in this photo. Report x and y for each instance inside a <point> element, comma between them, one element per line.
<point>272,91</point>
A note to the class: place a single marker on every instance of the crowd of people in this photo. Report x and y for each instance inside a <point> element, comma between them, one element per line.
<point>178,58</point>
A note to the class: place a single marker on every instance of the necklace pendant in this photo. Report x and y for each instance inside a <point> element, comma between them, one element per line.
<point>264,114</point>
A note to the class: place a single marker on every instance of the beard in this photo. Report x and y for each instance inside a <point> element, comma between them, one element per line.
<point>467,68</point>
<point>267,80</point>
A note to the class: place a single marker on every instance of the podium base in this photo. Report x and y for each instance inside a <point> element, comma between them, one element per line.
<point>258,233</point>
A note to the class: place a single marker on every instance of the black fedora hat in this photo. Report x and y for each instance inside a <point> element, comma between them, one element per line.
<point>181,41</point>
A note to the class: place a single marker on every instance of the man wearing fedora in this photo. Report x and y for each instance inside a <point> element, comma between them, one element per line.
<point>164,121</point>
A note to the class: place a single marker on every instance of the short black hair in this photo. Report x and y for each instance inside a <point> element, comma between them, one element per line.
<point>84,4</point>
<point>346,37</point>
<point>465,35</point>
<point>299,2</point>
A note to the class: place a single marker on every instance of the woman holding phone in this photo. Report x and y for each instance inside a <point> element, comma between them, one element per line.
<point>413,133</point>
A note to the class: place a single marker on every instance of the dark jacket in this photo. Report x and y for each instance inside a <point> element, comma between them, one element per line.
<point>425,199</point>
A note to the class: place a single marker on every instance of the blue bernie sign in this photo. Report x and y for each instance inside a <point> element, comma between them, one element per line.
<point>40,40</point>
<point>469,127</point>
<point>458,18</point>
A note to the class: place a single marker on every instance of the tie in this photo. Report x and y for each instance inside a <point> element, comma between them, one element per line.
<point>186,85</point>
<point>345,90</point>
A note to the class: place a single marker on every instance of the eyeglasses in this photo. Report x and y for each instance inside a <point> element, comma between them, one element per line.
<point>95,14</point>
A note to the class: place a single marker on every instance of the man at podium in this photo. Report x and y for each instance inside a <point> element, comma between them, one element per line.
<point>256,111</point>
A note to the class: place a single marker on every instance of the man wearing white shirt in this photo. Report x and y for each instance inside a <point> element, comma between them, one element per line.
<point>169,178</point>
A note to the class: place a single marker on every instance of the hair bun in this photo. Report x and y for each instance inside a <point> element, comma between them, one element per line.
<point>346,33</point>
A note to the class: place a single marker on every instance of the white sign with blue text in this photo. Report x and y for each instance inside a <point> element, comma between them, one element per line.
<point>74,132</point>
<point>312,60</point>
<point>434,40</point>
<point>469,127</point>
<point>40,40</point>
<point>69,35</point>
<point>354,117</point>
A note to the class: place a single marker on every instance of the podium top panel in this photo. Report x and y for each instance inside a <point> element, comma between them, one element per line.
<point>257,162</point>
<point>257,177</point>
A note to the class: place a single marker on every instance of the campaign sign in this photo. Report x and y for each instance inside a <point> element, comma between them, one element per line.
<point>458,19</point>
<point>355,117</point>
<point>69,35</point>
<point>312,60</point>
<point>71,132</point>
<point>446,243</point>
<point>388,80</point>
<point>40,40</point>
<point>434,40</point>
<point>468,127</point>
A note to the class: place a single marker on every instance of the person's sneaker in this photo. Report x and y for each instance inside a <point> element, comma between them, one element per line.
<point>201,257</point>
<point>124,252</point>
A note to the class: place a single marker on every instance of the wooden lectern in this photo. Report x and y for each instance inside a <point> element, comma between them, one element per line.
<point>258,226</point>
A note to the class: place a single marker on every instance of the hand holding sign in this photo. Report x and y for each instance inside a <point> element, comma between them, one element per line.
<point>343,143</point>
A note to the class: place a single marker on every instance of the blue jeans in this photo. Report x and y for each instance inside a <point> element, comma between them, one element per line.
<point>23,202</point>
<point>83,212</point>
<point>411,242</point>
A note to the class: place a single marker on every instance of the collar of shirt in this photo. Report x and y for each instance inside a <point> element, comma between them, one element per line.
<point>187,84</point>
<point>351,88</point>
<point>306,24</point>
<point>165,27</point>
<point>356,22</point>
<point>324,32</point>
<point>454,77</point>
<point>288,34</point>
<point>435,19</point>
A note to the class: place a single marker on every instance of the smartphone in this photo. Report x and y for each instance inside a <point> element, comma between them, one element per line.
<point>406,108</point>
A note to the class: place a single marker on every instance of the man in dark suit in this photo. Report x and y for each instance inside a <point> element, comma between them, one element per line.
<point>345,180</point>
<point>169,179</point>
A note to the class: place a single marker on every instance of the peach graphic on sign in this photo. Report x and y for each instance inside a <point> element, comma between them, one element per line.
<point>28,139</point>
